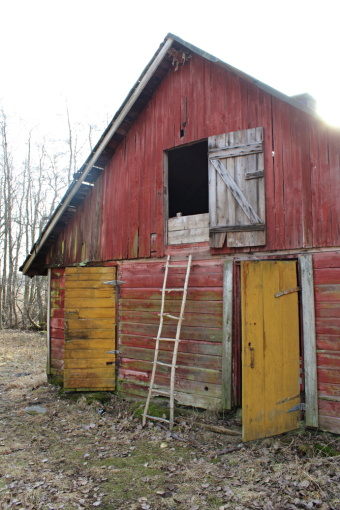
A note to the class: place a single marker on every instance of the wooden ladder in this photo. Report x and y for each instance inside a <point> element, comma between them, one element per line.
<point>176,341</point>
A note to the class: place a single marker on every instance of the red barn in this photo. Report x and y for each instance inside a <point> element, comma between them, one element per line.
<point>202,159</point>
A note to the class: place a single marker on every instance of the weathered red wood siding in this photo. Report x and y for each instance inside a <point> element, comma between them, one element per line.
<point>198,376</point>
<point>57,321</point>
<point>124,210</point>
<point>327,311</point>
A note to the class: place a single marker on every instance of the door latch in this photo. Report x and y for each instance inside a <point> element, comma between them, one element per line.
<point>288,291</point>
<point>113,282</point>
<point>298,407</point>
<point>112,352</point>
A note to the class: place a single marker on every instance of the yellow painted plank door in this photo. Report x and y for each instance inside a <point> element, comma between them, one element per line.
<point>89,328</point>
<point>270,349</point>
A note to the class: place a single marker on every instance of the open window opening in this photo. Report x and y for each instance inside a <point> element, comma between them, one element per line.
<point>188,180</point>
<point>187,197</point>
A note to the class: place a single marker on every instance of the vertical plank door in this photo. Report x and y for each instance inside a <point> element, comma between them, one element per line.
<point>89,328</point>
<point>270,348</point>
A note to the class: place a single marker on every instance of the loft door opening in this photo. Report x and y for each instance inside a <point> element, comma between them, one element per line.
<point>188,180</point>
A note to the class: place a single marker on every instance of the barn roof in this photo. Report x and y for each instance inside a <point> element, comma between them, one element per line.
<point>172,47</point>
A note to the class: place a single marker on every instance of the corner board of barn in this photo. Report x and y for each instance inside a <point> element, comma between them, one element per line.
<point>203,160</point>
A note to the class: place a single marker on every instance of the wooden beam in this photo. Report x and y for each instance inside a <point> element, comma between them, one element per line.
<point>237,193</point>
<point>227,334</point>
<point>309,340</point>
<point>234,151</point>
<point>48,326</point>
<point>238,228</point>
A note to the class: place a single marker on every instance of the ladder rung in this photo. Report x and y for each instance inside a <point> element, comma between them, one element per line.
<point>168,315</point>
<point>159,392</point>
<point>165,364</point>
<point>172,290</point>
<point>175,265</point>
<point>170,339</point>
<point>156,418</point>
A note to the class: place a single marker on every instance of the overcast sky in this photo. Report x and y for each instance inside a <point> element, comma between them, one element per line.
<point>90,53</point>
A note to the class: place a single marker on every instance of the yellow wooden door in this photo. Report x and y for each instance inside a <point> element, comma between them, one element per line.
<point>270,349</point>
<point>89,328</point>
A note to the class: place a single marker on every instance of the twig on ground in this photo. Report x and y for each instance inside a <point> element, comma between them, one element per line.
<point>218,430</point>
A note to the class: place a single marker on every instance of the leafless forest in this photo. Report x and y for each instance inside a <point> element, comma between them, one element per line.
<point>29,192</point>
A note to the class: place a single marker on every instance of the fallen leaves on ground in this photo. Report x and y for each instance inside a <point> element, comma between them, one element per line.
<point>73,457</point>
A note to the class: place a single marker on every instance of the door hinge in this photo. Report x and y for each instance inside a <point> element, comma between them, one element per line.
<point>298,407</point>
<point>112,352</point>
<point>113,282</point>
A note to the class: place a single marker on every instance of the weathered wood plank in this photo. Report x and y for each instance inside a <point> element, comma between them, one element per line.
<point>92,344</point>
<point>86,303</point>
<point>254,175</point>
<point>330,359</point>
<point>83,334</point>
<point>187,333</point>
<point>197,307</point>
<point>328,342</point>
<point>87,354</point>
<point>253,227</point>
<point>91,363</point>
<point>236,191</point>
<point>183,359</point>
<point>328,375</point>
<point>327,293</point>
<point>309,340</point>
<point>330,423</point>
<point>90,313</point>
<point>95,384</point>
<point>326,276</point>
<point>192,373</point>
<point>163,381</point>
<point>81,271</point>
<point>194,294</point>
<point>326,260</point>
<point>189,346</point>
<point>329,390</point>
<point>188,399</point>
<point>105,292</point>
<point>192,235</point>
<point>94,324</point>
<point>236,150</point>
<point>175,281</point>
<point>325,309</point>
<point>194,320</point>
<point>188,222</point>
<point>227,358</point>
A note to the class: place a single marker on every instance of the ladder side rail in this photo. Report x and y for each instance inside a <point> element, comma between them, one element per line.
<point>178,332</point>
<point>157,344</point>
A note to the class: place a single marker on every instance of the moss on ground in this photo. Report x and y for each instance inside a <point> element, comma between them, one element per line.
<point>156,410</point>
<point>103,397</point>
<point>326,451</point>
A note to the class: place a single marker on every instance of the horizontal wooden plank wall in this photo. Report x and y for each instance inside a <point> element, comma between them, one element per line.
<point>198,376</point>
<point>123,211</point>
<point>327,310</point>
<point>57,321</point>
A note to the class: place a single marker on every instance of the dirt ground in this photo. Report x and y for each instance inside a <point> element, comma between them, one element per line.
<point>72,456</point>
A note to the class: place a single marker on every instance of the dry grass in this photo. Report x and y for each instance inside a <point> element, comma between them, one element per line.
<point>71,457</point>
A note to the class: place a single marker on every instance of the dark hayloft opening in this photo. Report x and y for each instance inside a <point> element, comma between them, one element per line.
<point>188,180</point>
